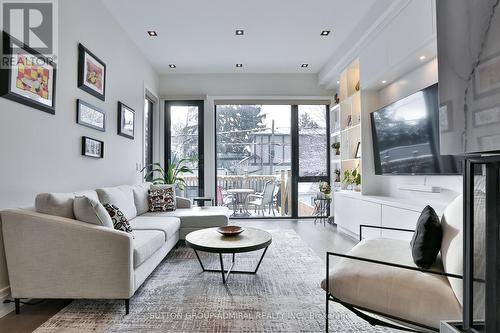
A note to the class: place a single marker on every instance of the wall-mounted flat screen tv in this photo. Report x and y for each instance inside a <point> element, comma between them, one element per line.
<point>406,137</point>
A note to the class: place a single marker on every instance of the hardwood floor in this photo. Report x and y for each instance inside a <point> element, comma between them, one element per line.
<point>319,236</point>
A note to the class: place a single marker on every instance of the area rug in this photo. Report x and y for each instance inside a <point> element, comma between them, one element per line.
<point>284,296</point>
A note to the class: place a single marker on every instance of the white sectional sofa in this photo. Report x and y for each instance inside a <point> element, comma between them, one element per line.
<point>50,254</point>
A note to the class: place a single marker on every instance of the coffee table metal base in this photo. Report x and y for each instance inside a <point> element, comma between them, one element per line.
<point>225,273</point>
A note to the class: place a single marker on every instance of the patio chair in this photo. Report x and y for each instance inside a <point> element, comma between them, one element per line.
<point>262,200</point>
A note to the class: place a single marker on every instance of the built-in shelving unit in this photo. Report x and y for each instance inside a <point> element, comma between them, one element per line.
<point>348,127</point>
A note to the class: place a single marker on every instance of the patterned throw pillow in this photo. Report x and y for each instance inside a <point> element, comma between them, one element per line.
<point>120,222</point>
<point>162,200</point>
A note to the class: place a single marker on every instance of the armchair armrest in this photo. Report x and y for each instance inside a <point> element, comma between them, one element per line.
<point>55,257</point>
<point>361,226</point>
<point>183,202</point>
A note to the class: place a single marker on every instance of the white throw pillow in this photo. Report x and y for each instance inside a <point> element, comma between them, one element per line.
<point>60,204</point>
<point>91,211</point>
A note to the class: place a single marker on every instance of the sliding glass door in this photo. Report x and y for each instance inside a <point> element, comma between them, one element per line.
<point>184,140</point>
<point>270,158</point>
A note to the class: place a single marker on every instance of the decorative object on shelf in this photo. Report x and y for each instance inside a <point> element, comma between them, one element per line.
<point>92,147</point>
<point>30,78</point>
<point>325,189</point>
<point>90,116</point>
<point>358,151</point>
<point>336,146</point>
<point>172,175</point>
<point>349,121</point>
<point>126,121</point>
<point>336,98</point>
<point>337,175</point>
<point>91,73</point>
<point>357,87</point>
<point>352,179</point>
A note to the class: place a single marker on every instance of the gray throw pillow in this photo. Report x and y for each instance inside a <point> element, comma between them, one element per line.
<point>91,211</point>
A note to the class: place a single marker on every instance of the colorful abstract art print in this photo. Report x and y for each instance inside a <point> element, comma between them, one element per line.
<point>91,73</point>
<point>30,78</point>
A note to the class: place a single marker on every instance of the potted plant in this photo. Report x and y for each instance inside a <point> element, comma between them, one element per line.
<point>352,179</point>
<point>171,175</point>
<point>357,181</point>
<point>336,146</point>
<point>325,189</point>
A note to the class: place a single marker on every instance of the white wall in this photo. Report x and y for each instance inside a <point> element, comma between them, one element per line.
<point>211,87</point>
<point>422,77</point>
<point>42,152</point>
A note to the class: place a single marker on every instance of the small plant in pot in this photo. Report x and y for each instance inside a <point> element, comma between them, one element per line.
<point>336,146</point>
<point>171,175</point>
<point>352,179</point>
<point>325,189</point>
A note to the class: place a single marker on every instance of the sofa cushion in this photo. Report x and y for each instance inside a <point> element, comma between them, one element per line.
<point>120,222</point>
<point>162,200</point>
<point>426,241</point>
<point>91,211</point>
<point>146,243</point>
<point>141,195</point>
<point>198,217</point>
<point>120,196</point>
<point>420,297</point>
<point>168,225</point>
<point>60,204</point>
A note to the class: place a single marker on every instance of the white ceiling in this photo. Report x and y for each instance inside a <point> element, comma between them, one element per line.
<point>198,36</point>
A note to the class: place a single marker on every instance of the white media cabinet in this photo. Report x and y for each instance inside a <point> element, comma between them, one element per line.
<point>353,208</point>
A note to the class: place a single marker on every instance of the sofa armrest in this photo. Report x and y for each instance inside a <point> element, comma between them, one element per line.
<point>55,257</point>
<point>183,202</point>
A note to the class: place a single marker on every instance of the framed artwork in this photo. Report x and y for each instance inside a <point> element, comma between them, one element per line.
<point>126,121</point>
<point>90,116</point>
<point>487,116</point>
<point>358,151</point>
<point>92,147</point>
<point>31,77</point>
<point>91,73</point>
<point>487,77</point>
<point>445,114</point>
<point>488,142</point>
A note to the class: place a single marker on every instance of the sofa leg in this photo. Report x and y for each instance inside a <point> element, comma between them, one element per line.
<point>127,306</point>
<point>17,305</point>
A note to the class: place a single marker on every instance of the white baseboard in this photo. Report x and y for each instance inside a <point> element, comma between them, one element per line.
<point>8,307</point>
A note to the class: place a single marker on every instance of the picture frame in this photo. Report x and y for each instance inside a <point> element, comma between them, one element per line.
<point>358,151</point>
<point>90,116</point>
<point>31,79</point>
<point>126,121</point>
<point>487,77</point>
<point>92,147</point>
<point>487,116</point>
<point>445,117</point>
<point>91,73</point>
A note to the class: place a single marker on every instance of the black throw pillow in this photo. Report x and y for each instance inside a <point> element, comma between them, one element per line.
<point>426,241</point>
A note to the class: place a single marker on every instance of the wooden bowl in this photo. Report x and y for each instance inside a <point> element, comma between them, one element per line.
<point>230,230</point>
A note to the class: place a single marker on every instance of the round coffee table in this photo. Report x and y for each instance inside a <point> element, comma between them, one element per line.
<point>210,240</point>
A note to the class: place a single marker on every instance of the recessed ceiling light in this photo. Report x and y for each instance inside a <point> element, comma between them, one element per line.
<point>338,82</point>
<point>384,81</point>
<point>422,57</point>
<point>325,32</point>
<point>239,65</point>
<point>239,32</point>
<point>304,65</point>
<point>152,33</point>
<point>172,66</point>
